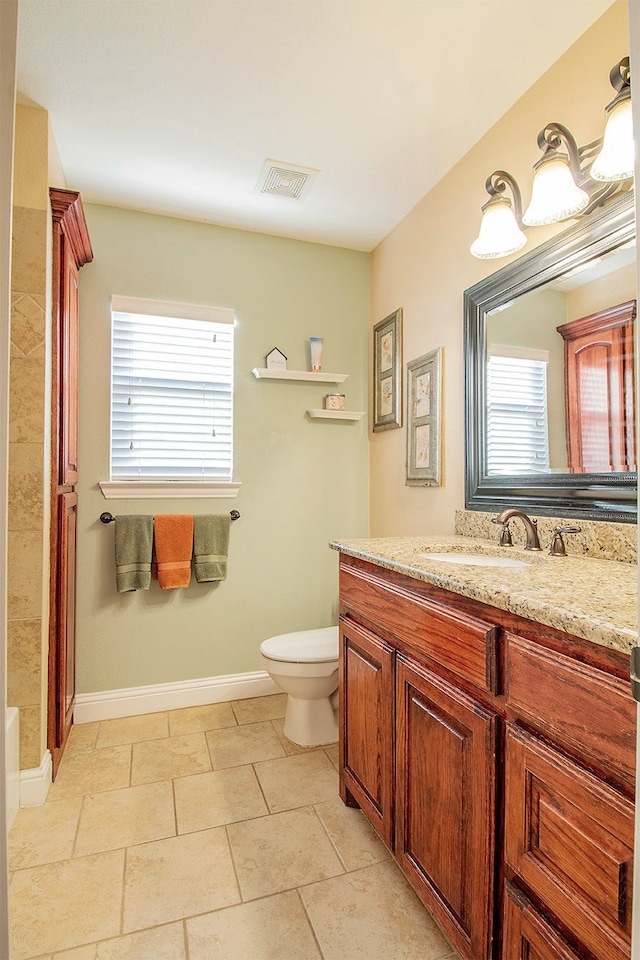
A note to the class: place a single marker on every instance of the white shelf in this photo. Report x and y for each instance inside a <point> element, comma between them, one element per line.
<point>263,373</point>
<point>335,414</point>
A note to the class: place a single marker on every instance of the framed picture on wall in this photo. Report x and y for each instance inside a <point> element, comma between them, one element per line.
<point>424,386</point>
<point>387,372</point>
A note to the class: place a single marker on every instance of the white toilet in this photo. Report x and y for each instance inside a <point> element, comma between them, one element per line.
<point>305,666</point>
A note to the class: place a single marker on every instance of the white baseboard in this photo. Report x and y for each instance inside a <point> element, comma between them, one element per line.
<point>35,783</point>
<point>133,701</point>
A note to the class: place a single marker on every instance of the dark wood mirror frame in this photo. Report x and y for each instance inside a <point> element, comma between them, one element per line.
<point>593,496</point>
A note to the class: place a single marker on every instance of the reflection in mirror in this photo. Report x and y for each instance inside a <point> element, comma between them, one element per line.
<point>560,373</point>
<point>549,368</point>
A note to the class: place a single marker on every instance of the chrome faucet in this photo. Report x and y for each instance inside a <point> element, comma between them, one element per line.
<point>530,526</point>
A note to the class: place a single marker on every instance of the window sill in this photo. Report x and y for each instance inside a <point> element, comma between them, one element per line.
<point>168,489</point>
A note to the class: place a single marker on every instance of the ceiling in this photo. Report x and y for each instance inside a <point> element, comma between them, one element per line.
<point>173,106</point>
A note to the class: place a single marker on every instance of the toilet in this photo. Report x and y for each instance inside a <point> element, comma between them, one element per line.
<point>305,666</point>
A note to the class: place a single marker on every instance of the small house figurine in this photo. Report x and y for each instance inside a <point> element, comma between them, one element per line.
<point>276,360</point>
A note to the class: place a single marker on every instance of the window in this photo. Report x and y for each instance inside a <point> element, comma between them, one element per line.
<point>171,392</point>
<point>517,428</point>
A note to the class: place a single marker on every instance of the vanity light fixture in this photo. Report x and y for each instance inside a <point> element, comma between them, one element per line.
<point>570,181</point>
<point>615,160</point>
<point>555,195</point>
<point>500,232</point>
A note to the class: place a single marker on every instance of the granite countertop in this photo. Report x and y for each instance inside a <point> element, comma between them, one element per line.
<point>593,599</point>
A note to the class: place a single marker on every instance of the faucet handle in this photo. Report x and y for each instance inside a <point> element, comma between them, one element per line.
<point>557,548</point>
<point>505,534</point>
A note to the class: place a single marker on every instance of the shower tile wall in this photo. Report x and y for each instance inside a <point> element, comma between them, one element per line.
<point>28,482</point>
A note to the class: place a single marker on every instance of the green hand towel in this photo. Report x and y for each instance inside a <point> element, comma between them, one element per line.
<point>133,540</point>
<point>210,547</point>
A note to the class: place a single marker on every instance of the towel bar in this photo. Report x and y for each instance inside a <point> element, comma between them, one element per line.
<point>109,518</point>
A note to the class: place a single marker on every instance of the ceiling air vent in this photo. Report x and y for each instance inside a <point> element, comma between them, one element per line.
<point>284,180</point>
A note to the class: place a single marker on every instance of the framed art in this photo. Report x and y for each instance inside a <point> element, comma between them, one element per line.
<point>424,385</point>
<point>387,372</point>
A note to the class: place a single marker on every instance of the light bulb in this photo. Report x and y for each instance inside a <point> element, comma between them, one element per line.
<point>615,160</point>
<point>555,194</point>
<point>499,233</point>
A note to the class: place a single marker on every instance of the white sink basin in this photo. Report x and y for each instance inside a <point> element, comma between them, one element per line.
<point>475,559</point>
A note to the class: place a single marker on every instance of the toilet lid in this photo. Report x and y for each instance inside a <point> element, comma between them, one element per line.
<point>304,646</point>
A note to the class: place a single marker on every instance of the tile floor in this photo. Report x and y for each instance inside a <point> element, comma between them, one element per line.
<point>203,834</point>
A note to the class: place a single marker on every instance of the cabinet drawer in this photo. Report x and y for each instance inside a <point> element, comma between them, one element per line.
<point>585,710</point>
<point>465,645</point>
<point>569,836</point>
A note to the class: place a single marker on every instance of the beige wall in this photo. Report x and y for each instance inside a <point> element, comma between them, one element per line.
<point>304,481</point>
<point>424,264</point>
<point>617,287</point>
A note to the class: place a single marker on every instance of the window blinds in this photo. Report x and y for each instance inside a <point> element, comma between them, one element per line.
<point>172,392</point>
<point>517,429</point>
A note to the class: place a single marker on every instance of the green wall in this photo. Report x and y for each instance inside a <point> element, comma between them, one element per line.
<point>304,482</point>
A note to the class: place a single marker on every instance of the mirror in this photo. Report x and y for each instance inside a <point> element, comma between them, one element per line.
<point>549,375</point>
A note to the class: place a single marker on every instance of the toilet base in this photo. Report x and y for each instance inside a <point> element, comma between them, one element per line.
<point>310,723</point>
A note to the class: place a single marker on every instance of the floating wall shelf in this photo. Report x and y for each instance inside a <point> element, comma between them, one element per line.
<point>335,414</point>
<point>263,373</point>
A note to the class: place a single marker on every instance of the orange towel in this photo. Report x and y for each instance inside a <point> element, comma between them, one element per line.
<point>172,549</point>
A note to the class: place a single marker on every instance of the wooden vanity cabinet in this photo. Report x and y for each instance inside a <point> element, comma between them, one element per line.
<point>417,752</point>
<point>506,795</point>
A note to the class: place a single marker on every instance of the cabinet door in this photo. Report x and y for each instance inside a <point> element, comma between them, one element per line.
<point>445,804</point>
<point>569,836</point>
<point>63,656</point>
<point>366,725</point>
<point>600,390</point>
<point>527,936</point>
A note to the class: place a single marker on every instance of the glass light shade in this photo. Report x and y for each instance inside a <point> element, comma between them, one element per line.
<point>615,160</point>
<point>555,194</point>
<point>499,234</point>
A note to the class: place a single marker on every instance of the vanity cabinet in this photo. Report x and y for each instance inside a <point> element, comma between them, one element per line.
<point>496,758</point>
<point>422,764</point>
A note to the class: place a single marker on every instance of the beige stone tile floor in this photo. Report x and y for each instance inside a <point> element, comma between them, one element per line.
<point>203,834</point>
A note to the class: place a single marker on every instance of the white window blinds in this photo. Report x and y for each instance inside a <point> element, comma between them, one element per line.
<point>172,391</point>
<point>517,427</point>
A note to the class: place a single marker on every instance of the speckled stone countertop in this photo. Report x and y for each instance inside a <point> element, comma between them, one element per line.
<point>593,599</point>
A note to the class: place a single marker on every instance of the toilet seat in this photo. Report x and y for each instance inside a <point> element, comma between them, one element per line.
<point>303,646</point>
